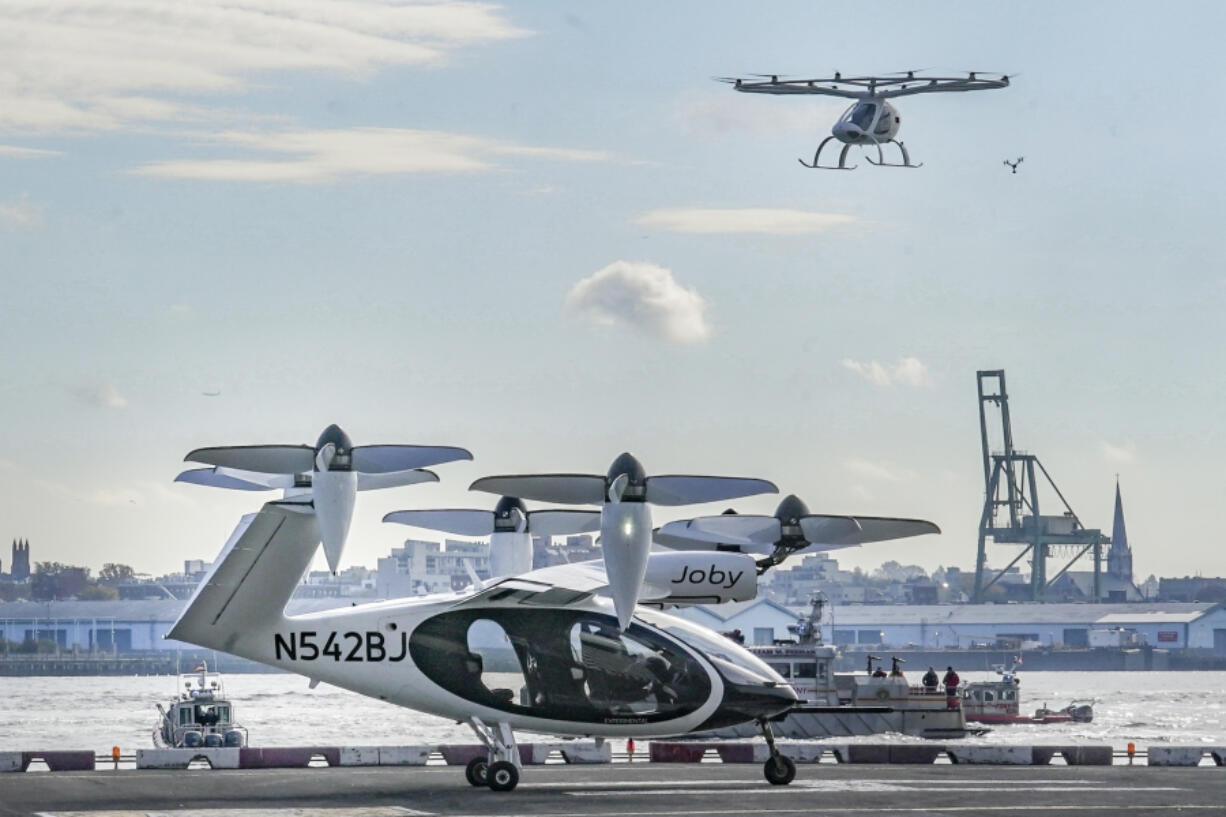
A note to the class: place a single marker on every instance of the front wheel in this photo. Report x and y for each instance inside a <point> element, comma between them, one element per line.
<point>779,770</point>
<point>477,771</point>
<point>503,776</point>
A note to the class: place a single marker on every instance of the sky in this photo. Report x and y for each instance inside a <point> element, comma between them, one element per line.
<point>542,232</point>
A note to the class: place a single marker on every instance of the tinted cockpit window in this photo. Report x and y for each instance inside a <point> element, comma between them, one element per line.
<point>559,664</point>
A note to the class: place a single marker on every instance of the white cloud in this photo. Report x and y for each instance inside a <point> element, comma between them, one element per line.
<point>104,396</point>
<point>878,471</point>
<point>645,297</point>
<point>100,64</point>
<point>1122,454</point>
<point>315,156</point>
<point>22,213</point>
<point>908,371</point>
<point>773,221</point>
<point>14,152</point>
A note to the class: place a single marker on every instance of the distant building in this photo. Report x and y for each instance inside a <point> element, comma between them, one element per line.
<point>1192,588</point>
<point>1119,558</point>
<point>19,569</point>
<point>421,567</point>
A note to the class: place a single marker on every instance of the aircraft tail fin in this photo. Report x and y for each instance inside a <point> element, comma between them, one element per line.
<point>245,593</point>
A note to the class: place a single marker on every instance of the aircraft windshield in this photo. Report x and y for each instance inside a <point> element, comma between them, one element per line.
<point>714,646</point>
<point>562,664</point>
<point>862,115</point>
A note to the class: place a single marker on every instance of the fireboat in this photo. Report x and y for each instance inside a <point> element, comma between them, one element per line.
<point>847,704</point>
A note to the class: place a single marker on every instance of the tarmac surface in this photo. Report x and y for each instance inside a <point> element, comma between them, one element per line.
<point>668,790</point>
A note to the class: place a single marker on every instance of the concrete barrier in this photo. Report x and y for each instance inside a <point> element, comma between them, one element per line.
<point>404,755</point>
<point>69,760</point>
<point>286,757</point>
<point>1088,755</point>
<point>1218,753</point>
<point>359,756</point>
<point>458,754</point>
<point>587,752</point>
<point>803,752</point>
<point>742,752</point>
<point>12,762</point>
<point>1174,755</point>
<point>217,758</point>
<point>862,753</point>
<point>992,755</point>
<point>665,752</point>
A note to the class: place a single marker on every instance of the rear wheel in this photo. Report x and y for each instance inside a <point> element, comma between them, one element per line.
<point>779,770</point>
<point>503,776</point>
<point>477,771</point>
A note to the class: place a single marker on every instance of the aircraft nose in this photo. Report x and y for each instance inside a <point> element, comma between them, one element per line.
<point>845,132</point>
<point>750,702</point>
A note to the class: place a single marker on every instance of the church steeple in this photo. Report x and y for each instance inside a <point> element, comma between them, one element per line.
<point>1119,559</point>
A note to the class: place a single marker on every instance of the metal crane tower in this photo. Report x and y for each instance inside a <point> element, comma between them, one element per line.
<point>1011,505</point>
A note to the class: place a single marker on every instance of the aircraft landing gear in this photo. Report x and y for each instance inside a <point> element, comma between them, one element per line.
<point>817,165</point>
<point>478,771</point>
<point>779,768</point>
<point>881,162</point>
<point>501,770</point>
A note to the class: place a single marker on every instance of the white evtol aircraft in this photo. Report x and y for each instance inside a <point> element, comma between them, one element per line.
<point>871,121</point>
<point>546,650</point>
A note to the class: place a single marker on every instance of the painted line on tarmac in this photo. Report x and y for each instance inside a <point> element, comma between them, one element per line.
<point>861,787</point>
<point>825,809</point>
<point>689,781</point>
<point>301,811</point>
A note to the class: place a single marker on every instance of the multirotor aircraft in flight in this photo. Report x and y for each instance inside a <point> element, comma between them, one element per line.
<point>871,121</point>
<point>546,650</point>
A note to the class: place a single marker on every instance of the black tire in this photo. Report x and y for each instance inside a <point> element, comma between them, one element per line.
<point>779,770</point>
<point>503,776</point>
<point>477,771</point>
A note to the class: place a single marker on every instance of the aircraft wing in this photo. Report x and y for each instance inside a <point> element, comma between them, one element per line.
<point>672,579</point>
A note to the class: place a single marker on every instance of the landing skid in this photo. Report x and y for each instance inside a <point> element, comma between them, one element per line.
<point>881,162</point>
<point>500,771</point>
<point>817,165</point>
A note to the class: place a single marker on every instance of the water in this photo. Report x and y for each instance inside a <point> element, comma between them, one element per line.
<point>279,710</point>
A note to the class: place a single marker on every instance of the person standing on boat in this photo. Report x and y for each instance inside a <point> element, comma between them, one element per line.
<point>951,681</point>
<point>930,680</point>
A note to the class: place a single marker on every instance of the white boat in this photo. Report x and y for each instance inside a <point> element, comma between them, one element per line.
<point>199,715</point>
<point>846,704</point>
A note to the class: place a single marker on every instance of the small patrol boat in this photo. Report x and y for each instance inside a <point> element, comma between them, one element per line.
<point>199,715</point>
<point>998,701</point>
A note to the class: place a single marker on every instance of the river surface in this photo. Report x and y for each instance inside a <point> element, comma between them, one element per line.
<point>279,710</point>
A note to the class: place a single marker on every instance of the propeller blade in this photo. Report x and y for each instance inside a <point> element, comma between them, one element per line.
<point>380,459</point>
<point>563,523</point>
<point>625,534</point>
<point>212,478</point>
<point>267,459</point>
<point>745,534</point>
<point>458,521</point>
<point>565,489</point>
<point>283,481</point>
<point>394,479</point>
<point>692,490</point>
<point>835,531</point>
<point>882,528</point>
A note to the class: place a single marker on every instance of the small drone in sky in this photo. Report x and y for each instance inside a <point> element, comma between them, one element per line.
<point>871,121</point>
<point>1013,165</point>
